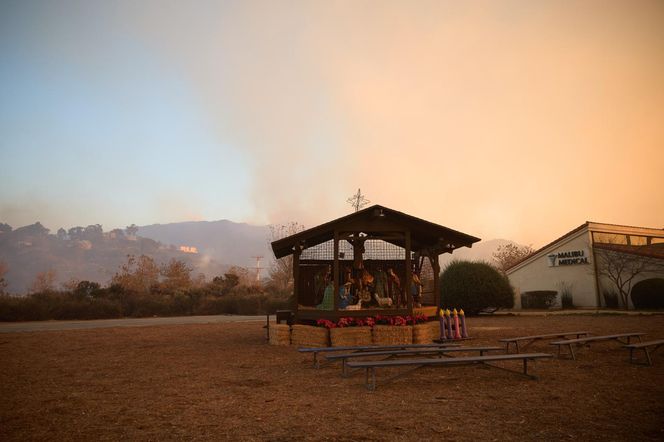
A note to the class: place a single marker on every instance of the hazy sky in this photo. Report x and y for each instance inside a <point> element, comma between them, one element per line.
<point>502,119</point>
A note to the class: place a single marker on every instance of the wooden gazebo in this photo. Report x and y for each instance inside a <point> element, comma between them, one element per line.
<point>377,261</point>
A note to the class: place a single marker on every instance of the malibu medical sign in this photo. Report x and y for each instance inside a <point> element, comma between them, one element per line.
<point>569,258</point>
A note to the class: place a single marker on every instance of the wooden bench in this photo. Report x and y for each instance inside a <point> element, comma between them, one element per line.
<point>438,351</point>
<point>365,348</point>
<point>371,366</point>
<point>442,341</point>
<point>582,341</point>
<point>534,338</point>
<point>645,346</point>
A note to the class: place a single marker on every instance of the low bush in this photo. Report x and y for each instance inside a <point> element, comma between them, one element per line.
<point>56,305</point>
<point>566,296</point>
<point>540,299</point>
<point>648,294</point>
<point>611,299</point>
<point>113,302</point>
<point>474,286</point>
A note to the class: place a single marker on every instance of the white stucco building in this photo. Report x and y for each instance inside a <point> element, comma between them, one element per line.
<point>577,262</point>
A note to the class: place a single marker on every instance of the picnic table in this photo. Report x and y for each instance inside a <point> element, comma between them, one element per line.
<point>581,341</point>
<point>645,346</point>
<point>371,366</point>
<point>531,339</point>
<point>367,348</point>
<point>437,351</point>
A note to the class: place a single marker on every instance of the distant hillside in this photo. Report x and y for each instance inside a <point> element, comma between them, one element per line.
<point>83,254</point>
<point>89,253</point>
<point>224,241</point>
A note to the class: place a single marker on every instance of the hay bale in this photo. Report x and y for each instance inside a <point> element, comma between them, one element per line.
<point>426,333</point>
<point>392,334</point>
<point>350,336</point>
<point>309,336</point>
<point>280,334</point>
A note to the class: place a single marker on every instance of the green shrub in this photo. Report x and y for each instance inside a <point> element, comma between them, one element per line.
<point>273,304</point>
<point>566,296</point>
<point>56,305</point>
<point>474,286</point>
<point>256,304</point>
<point>611,299</point>
<point>89,301</point>
<point>542,299</point>
<point>20,308</point>
<point>648,294</point>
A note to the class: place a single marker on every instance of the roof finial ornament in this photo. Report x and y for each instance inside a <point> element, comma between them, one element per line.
<point>358,201</point>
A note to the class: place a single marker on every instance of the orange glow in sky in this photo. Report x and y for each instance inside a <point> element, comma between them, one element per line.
<point>511,119</point>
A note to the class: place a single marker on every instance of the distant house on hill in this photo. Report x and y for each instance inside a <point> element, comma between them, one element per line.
<point>593,263</point>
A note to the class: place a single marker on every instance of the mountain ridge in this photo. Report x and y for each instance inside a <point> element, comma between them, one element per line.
<point>89,253</point>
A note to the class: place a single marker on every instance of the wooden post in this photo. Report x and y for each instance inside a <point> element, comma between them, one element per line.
<point>435,265</point>
<point>336,271</point>
<point>296,278</point>
<point>409,274</point>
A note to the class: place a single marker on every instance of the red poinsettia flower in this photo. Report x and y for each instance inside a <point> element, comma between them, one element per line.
<point>399,320</point>
<point>326,323</point>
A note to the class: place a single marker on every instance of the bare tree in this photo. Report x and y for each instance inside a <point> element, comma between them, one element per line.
<point>509,254</point>
<point>176,276</point>
<point>71,285</point>
<point>281,270</point>
<point>617,264</point>
<point>44,282</point>
<point>137,275</point>
<point>243,275</point>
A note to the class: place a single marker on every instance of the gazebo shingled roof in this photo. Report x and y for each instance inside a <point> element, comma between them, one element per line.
<point>375,220</point>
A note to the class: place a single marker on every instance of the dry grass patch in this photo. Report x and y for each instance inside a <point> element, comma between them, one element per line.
<point>222,381</point>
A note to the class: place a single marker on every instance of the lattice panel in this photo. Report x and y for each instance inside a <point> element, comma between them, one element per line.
<point>374,249</point>
<point>426,277</point>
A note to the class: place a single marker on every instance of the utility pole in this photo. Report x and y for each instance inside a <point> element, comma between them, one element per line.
<point>358,200</point>
<point>258,268</point>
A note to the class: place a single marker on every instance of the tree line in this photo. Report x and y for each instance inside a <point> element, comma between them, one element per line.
<point>142,288</point>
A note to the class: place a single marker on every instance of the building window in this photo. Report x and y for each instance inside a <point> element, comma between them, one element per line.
<point>637,240</point>
<point>609,238</point>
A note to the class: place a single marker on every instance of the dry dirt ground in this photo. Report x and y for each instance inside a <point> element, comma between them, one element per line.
<point>221,381</point>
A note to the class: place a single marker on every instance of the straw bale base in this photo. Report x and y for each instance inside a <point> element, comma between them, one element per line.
<point>392,334</point>
<point>280,334</point>
<point>350,336</point>
<point>426,333</point>
<point>309,336</point>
